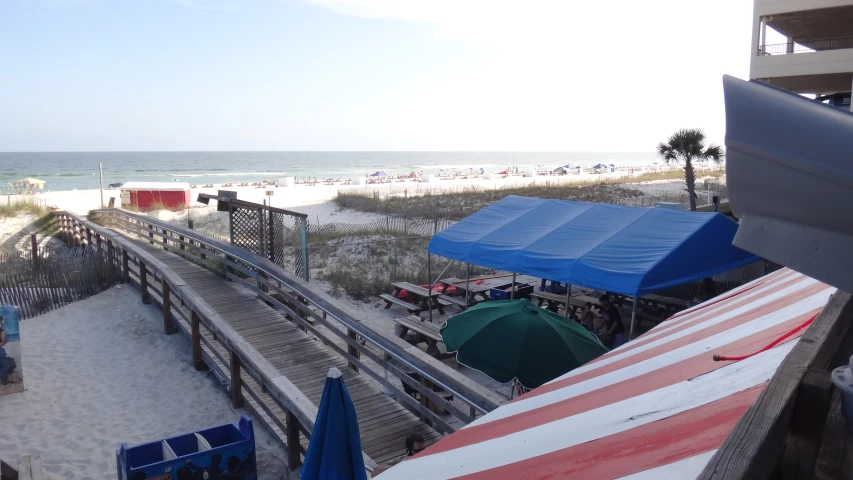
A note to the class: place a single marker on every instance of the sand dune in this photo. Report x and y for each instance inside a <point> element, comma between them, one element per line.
<point>100,372</point>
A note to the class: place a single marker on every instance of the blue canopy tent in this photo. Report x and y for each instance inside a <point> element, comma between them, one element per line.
<point>626,250</point>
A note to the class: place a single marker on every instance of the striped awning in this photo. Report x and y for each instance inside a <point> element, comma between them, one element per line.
<point>657,407</point>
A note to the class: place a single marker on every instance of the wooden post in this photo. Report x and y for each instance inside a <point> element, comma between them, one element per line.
<point>143,283</point>
<point>181,238</point>
<point>198,363</point>
<point>165,239</point>
<point>352,350</point>
<point>88,236</point>
<point>35,250</point>
<point>236,382</point>
<point>168,326</point>
<point>809,418</point>
<point>294,458</point>
<point>125,268</point>
<point>425,401</point>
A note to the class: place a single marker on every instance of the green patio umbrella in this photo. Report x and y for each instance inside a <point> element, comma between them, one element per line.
<point>516,339</point>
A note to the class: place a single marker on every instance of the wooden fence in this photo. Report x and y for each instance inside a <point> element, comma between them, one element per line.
<point>386,226</point>
<point>39,283</point>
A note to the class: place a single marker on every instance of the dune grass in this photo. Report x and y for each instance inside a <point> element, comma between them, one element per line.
<point>456,205</point>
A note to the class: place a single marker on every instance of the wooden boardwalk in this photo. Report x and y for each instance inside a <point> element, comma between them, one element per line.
<point>302,358</point>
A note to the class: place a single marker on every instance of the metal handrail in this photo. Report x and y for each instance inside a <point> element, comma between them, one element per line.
<point>485,401</point>
<point>804,46</point>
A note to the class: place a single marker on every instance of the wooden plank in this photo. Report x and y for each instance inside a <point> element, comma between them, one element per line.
<point>809,417</point>
<point>753,447</point>
<point>828,464</point>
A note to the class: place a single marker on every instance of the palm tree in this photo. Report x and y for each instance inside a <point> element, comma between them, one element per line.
<point>685,146</point>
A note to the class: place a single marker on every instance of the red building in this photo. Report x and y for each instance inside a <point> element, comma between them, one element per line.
<point>148,195</point>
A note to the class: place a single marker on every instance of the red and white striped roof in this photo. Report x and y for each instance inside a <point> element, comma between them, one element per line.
<point>658,407</point>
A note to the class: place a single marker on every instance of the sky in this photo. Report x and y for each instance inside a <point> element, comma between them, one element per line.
<point>409,75</point>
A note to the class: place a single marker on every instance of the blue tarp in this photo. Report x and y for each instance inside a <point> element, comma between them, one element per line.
<point>627,250</point>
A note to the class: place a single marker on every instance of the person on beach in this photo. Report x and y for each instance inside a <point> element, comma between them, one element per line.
<point>615,335</point>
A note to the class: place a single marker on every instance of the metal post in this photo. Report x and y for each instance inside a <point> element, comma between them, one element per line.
<point>568,298</point>
<point>512,288</point>
<point>467,284</point>
<point>429,278</point>
<point>633,319</point>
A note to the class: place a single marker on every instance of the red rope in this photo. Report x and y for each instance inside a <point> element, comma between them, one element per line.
<point>722,358</point>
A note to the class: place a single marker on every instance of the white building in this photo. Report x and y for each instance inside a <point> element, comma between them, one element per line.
<point>805,46</point>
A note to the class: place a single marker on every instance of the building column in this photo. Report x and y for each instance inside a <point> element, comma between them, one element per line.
<point>762,40</point>
<point>851,96</point>
<point>790,41</point>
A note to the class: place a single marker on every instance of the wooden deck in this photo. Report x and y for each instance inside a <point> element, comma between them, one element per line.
<point>302,358</point>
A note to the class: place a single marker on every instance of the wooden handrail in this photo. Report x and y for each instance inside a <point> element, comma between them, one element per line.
<point>285,394</point>
<point>474,395</point>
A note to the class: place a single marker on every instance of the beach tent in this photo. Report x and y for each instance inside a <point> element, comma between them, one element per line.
<point>658,407</point>
<point>29,184</point>
<point>626,250</point>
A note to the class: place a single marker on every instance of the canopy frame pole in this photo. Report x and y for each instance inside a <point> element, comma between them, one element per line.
<point>568,297</point>
<point>633,318</point>
<point>512,288</point>
<point>429,278</point>
<point>467,284</point>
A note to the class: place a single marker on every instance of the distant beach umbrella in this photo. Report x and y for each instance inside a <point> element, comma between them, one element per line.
<point>515,339</point>
<point>334,451</point>
<point>380,173</point>
<point>503,173</point>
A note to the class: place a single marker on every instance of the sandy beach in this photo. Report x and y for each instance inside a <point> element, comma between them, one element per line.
<point>81,201</point>
<point>100,372</point>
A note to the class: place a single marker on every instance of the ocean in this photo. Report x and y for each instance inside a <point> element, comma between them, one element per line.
<point>79,170</point>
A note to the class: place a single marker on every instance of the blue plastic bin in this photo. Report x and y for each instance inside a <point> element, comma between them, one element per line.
<point>498,293</point>
<point>224,451</point>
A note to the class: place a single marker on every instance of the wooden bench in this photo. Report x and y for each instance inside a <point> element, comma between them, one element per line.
<point>428,298</point>
<point>426,332</point>
<point>392,300</point>
<point>453,300</point>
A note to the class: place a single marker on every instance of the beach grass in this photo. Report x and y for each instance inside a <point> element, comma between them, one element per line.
<point>456,205</point>
<point>27,206</point>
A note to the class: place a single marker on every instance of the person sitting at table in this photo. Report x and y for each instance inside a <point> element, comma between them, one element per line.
<point>615,335</point>
<point>587,318</point>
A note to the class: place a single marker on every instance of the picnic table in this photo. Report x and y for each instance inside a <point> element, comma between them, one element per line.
<point>472,289</point>
<point>554,300</point>
<point>654,302</point>
<point>426,331</point>
<point>425,299</point>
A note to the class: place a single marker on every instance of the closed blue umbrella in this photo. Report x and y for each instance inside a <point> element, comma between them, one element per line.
<point>334,451</point>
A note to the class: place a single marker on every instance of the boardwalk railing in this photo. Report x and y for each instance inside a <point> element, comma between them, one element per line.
<point>300,303</point>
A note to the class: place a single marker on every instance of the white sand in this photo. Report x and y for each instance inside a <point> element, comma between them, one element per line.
<point>101,372</point>
<point>81,201</point>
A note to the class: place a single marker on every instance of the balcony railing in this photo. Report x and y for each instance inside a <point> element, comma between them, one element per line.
<point>806,46</point>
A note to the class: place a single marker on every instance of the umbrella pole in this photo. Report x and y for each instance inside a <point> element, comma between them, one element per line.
<point>633,318</point>
<point>512,289</point>
<point>568,296</point>
<point>467,281</point>
<point>429,278</point>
